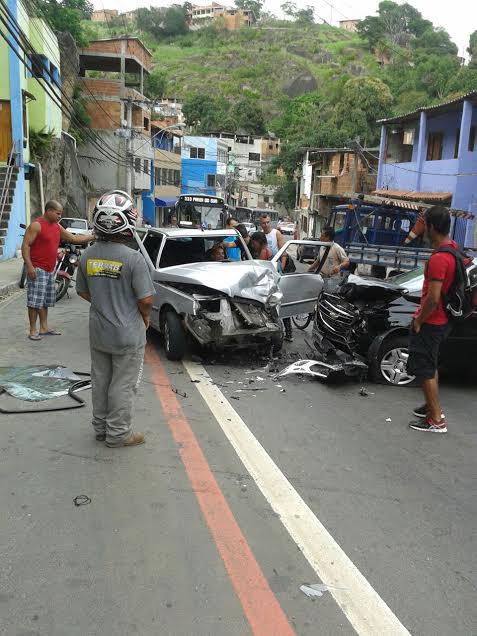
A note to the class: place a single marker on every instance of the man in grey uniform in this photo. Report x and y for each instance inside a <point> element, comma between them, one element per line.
<point>116,281</point>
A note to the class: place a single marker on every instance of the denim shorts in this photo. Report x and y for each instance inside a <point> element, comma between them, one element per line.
<point>41,292</point>
<point>424,350</point>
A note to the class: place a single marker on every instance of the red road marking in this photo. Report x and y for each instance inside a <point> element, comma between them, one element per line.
<point>261,608</point>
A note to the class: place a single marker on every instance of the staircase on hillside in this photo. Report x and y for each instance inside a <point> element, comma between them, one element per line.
<point>8,182</point>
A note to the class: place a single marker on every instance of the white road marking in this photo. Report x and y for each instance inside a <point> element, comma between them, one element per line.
<point>360,603</point>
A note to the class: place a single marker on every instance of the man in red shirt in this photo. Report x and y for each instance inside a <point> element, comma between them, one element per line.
<point>430,326</point>
<point>39,251</point>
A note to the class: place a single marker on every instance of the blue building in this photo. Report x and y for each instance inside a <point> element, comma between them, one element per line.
<point>430,154</point>
<point>27,84</point>
<point>204,166</point>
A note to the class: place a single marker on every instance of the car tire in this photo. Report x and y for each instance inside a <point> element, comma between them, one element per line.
<point>388,366</point>
<point>174,336</point>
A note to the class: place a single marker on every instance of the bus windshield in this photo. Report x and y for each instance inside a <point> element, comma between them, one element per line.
<point>208,212</point>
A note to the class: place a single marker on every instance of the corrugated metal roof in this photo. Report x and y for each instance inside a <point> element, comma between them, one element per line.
<point>432,197</point>
<point>436,108</point>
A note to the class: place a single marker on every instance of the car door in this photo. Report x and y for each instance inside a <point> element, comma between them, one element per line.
<point>300,289</point>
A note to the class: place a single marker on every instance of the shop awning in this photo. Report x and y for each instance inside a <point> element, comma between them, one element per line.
<point>166,202</point>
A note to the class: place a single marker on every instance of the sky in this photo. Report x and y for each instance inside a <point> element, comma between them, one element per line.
<point>458,17</point>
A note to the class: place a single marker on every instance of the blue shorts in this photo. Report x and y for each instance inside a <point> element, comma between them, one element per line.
<point>41,292</point>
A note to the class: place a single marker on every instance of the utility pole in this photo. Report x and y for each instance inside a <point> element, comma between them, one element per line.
<point>129,154</point>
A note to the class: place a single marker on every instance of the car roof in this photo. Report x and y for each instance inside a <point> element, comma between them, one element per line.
<point>176,232</point>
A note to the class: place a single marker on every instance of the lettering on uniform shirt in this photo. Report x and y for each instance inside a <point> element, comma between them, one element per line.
<point>104,269</point>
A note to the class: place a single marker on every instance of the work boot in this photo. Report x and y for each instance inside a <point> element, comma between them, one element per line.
<point>133,440</point>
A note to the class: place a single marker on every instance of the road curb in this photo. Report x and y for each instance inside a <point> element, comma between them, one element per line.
<point>8,288</point>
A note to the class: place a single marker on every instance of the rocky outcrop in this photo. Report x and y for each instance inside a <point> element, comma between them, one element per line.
<point>62,179</point>
<point>304,83</point>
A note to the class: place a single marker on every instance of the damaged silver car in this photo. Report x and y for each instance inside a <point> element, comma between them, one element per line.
<point>219,304</point>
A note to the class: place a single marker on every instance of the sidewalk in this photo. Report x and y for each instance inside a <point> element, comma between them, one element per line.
<point>10,271</point>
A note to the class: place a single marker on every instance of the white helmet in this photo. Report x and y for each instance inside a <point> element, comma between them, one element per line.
<point>114,213</point>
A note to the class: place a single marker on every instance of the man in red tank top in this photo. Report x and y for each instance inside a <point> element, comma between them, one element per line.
<point>39,251</point>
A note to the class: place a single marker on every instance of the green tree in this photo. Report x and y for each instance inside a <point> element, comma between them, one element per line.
<point>472,50</point>
<point>66,15</point>
<point>434,74</point>
<point>248,116</point>
<point>306,15</point>
<point>175,21</point>
<point>435,41</point>
<point>155,84</point>
<point>398,23</point>
<point>250,5</point>
<point>464,81</point>
<point>363,101</point>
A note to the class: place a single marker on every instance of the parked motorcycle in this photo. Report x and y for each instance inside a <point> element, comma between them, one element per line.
<point>68,259</point>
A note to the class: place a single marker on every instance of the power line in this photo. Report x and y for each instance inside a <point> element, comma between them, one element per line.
<point>49,90</point>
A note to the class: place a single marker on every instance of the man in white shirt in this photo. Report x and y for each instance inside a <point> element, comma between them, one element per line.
<point>336,259</point>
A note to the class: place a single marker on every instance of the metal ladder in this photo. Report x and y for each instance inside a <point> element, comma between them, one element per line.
<point>11,162</point>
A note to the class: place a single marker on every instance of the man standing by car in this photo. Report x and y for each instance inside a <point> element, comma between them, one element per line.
<point>116,281</point>
<point>275,242</point>
<point>429,326</point>
<point>336,259</point>
<point>39,251</point>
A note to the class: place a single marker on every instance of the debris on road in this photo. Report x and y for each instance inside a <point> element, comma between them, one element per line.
<point>364,392</point>
<point>314,590</point>
<point>81,500</point>
<point>234,397</point>
<point>388,419</point>
<point>323,370</point>
<point>178,392</point>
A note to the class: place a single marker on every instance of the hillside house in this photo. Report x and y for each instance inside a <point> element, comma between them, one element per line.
<point>232,18</point>
<point>167,173</point>
<point>430,155</point>
<point>204,166</point>
<point>329,177</point>
<point>112,75</point>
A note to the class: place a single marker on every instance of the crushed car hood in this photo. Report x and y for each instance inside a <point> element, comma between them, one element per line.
<point>243,280</point>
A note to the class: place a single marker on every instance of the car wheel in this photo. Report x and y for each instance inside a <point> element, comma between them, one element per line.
<point>174,337</point>
<point>389,365</point>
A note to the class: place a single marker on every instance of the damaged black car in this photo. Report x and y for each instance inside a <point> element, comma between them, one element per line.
<point>366,320</point>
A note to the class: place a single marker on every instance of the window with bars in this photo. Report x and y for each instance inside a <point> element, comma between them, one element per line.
<point>211,180</point>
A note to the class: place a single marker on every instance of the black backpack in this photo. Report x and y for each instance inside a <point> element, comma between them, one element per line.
<point>460,301</point>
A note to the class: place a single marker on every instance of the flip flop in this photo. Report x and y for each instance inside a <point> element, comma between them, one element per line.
<point>51,332</point>
<point>34,337</point>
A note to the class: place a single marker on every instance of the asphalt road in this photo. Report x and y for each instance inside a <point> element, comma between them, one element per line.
<point>233,504</point>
